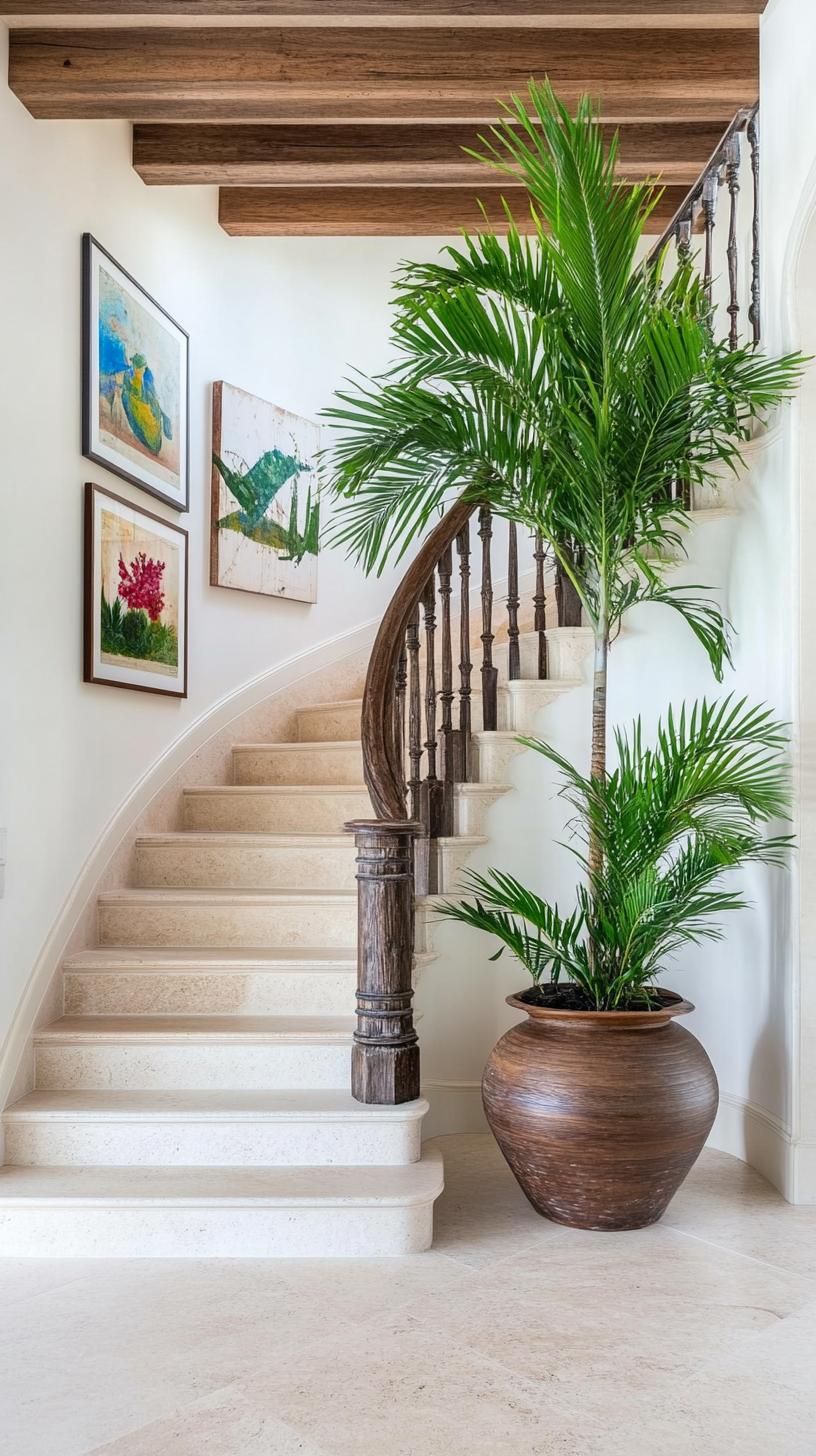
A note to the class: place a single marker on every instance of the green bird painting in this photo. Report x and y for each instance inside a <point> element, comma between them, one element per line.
<point>263,502</point>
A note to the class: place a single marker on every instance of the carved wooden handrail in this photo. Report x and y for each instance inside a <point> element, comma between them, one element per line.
<point>385,1052</point>
<point>381,763</point>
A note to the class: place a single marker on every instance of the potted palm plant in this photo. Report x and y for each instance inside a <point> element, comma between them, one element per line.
<point>585,395</point>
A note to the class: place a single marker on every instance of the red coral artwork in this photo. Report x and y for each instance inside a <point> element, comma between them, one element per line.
<point>140,585</point>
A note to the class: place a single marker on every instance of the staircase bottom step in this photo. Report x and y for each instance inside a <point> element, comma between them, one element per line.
<point>200,1213</point>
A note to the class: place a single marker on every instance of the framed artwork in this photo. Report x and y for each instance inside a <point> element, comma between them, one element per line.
<point>265,497</point>
<point>135,381</point>
<point>135,597</point>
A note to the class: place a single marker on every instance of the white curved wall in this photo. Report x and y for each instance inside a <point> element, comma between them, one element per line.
<point>282,319</point>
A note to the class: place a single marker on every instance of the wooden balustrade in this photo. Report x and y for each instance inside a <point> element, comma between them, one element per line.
<point>420,709</point>
<point>699,209</point>
<point>412,770</point>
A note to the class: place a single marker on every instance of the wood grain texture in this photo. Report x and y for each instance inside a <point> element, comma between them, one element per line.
<point>738,14</point>
<point>279,74</point>
<point>385,1053</point>
<point>268,212</point>
<point>600,1115</point>
<point>360,154</point>
<point>380,762</point>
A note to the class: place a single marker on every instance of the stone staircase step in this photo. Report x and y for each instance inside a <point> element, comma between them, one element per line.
<point>194,1053</point>
<point>221,918</point>
<point>209,1129</point>
<point>298,763</point>
<point>69,1212</point>
<point>327,722</point>
<point>471,805</point>
<point>277,809</point>
<point>121,981</point>
<point>198,860</point>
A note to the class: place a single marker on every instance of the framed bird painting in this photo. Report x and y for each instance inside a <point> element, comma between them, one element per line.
<point>265,497</point>
<point>135,381</point>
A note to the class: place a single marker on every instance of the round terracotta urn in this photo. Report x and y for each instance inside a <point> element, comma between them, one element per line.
<point>600,1114</point>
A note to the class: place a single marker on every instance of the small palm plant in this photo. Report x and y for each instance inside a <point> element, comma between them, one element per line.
<point>671,820</point>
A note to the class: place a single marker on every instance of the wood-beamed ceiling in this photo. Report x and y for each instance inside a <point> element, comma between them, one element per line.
<point>350,116</point>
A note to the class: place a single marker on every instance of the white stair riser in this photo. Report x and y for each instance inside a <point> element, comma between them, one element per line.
<point>242,867</point>
<point>493,757</point>
<point>278,813</point>
<point>292,924</point>
<point>211,1142</point>
<point>210,1231</point>
<point>331,722</point>
<point>452,857</point>
<point>470,811</point>
<point>569,651</point>
<point>193,1066</point>
<point>223,993</point>
<point>280,764</point>
<point>525,702</point>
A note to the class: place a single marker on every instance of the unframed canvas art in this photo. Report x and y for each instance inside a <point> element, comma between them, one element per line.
<point>265,497</point>
<point>135,597</point>
<point>134,381</point>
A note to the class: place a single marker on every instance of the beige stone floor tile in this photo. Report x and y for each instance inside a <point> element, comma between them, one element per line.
<point>397,1389</point>
<point>364,1289</point>
<point>726,1203</point>
<point>222,1424</point>
<point>134,1341</point>
<point>483,1215</point>
<point>22,1279</point>
<point>652,1302</point>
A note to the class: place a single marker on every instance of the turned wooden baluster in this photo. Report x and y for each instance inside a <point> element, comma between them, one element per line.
<point>513,650</point>
<point>432,789</point>
<point>540,604</point>
<point>754,310</point>
<point>683,238</point>
<point>567,599</point>
<point>732,164</point>
<point>400,683</point>
<point>446,693</point>
<point>710,188</point>
<point>414,716</point>
<point>490,709</point>
<point>462,753</point>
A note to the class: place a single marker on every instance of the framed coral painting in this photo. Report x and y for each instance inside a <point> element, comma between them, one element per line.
<point>135,597</point>
<point>265,497</point>
<point>135,381</point>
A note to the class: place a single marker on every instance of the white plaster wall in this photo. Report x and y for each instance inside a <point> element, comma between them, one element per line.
<point>789,229</point>
<point>282,319</point>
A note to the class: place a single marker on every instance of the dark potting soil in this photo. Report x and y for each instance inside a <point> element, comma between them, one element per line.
<point>572,998</point>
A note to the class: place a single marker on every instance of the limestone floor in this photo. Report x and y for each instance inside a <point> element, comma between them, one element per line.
<point>695,1338</point>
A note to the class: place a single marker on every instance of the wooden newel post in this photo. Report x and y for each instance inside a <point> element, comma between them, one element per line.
<point>385,1054</point>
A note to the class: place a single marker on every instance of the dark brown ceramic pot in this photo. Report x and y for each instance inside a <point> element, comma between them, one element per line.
<point>600,1114</point>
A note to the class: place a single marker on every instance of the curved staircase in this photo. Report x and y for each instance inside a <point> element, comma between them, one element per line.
<point>194,1098</point>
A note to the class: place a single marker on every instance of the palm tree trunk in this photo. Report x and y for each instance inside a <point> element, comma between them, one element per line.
<point>597,767</point>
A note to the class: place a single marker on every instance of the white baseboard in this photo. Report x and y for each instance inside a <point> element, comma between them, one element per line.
<point>748,1132</point>
<point>803,1173</point>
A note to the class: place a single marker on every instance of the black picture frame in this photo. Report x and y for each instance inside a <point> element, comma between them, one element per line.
<point>92,447</point>
<point>91,603</point>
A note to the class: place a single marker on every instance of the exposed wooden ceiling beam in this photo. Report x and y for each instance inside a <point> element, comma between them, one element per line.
<point>360,155</point>
<point>736,14</point>
<point>341,74</point>
<point>267,212</point>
